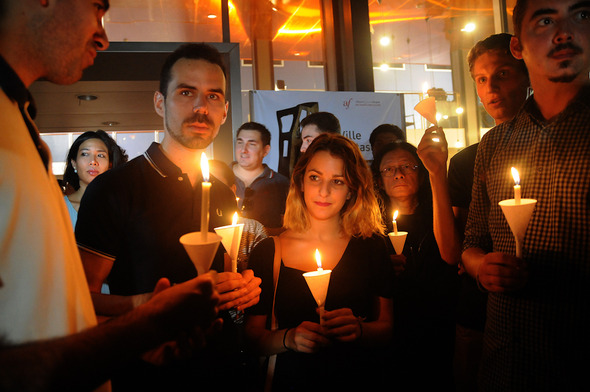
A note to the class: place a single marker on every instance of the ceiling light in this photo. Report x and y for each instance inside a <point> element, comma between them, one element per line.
<point>385,40</point>
<point>384,67</point>
<point>86,97</point>
<point>459,110</point>
<point>211,16</point>
<point>469,27</point>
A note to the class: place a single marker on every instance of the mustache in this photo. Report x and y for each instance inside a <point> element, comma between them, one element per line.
<point>199,118</point>
<point>565,46</point>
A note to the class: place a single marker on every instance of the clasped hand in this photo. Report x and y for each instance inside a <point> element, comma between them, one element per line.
<point>340,325</point>
<point>238,290</point>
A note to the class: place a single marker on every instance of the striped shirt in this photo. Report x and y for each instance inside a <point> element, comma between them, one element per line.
<point>539,337</point>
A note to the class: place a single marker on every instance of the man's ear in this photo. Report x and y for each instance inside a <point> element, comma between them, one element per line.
<point>159,102</point>
<point>225,114</point>
<point>266,150</point>
<point>516,48</point>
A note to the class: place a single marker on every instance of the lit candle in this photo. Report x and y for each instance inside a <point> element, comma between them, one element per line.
<point>394,222</point>
<point>318,260</point>
<point>205,190</point>
<point>318,282</point>
<point>517,186</point>
<point>231,237</point>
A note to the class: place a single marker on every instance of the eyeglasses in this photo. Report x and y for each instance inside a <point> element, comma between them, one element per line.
<point>404,170</point>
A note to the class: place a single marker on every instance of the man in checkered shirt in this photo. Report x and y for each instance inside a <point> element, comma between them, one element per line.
<point>537,334</point>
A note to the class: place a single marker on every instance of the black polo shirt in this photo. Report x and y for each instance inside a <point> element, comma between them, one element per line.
<point>136,213</point>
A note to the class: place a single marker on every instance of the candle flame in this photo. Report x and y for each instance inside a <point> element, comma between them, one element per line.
<point>205,167</point>
<point>515,176</point>
<point>318,259</point>
<point>395,214</point>
<point>234,220</point>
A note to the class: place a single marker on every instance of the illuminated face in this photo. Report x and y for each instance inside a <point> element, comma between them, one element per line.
<point>308,133</point>
<point>249,149</point>
<point>403,183</point>
<point>324,188</point>
<point>501,84</point>
<point>195,106</point>
<point>75,33</point>
<point>555,41</point>
<point>92,159</point>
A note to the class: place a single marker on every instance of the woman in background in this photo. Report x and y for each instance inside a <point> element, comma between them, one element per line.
<point>331,207</point>
<point>426,287</point>
<point>91,154</point>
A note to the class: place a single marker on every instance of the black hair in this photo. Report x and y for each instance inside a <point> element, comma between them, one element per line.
<point>193,51</point>
<point>386,128</point>
<point>325,121</point>
<point>117,156</point>
<point>254,126</point>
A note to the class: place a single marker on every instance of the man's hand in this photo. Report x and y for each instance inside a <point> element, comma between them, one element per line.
<point>434,153</point>
<point>499,272</point>
<point>239,291</point>
<point>183,306</point>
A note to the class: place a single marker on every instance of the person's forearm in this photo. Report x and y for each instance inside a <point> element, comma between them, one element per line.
<point>375,333</point>
<point>115,305</point>
<point>80,362</point>
<point>472,258</point>
<point>271,342</point>
<point>444,226</point>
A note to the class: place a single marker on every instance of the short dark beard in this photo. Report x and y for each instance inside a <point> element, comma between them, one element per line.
<point>564,78</point>
<point>192,143</point>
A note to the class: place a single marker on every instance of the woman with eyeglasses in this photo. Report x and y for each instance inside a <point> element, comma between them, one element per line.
<point>426,287</point>
<point>331,207</point>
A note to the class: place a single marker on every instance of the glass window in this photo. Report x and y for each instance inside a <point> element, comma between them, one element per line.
<point>420,48</point>
<point>135,143</point>
<point>59,145</point>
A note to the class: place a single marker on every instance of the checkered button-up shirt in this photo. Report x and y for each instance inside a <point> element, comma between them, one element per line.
<point>538,338</point>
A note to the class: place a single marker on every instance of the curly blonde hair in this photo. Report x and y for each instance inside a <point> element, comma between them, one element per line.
<point>360,215</point>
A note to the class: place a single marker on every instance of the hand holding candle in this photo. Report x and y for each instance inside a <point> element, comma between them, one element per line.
<point>318,282</point>
<point>518,213</point>
<point>205,190</point>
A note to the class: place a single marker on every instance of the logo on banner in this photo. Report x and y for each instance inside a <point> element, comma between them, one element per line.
<point>346,104</point>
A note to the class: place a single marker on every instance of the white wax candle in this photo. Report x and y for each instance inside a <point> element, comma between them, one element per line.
<point>205,190</point>
<point>516,186</point>
<point>318,282</point>
<point>394,222</point>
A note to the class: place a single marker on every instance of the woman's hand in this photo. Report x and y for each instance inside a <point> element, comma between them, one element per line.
<point>433,150</point>
<point>308,338</point>
<point>399,263</point>
<point>342,325</point>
